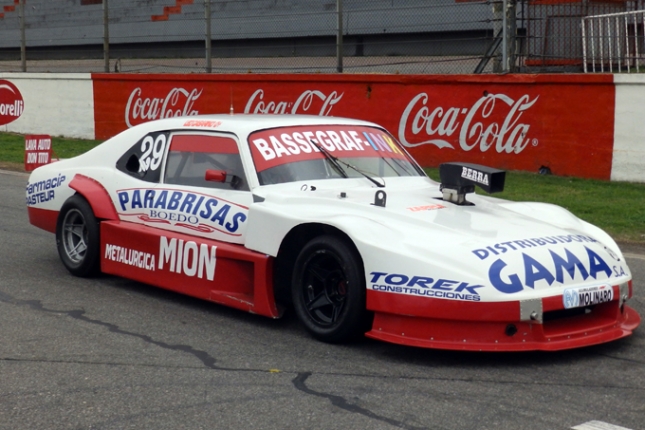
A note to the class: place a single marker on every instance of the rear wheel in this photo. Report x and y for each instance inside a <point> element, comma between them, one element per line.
<point>328,290</point>
<point>77,237</point>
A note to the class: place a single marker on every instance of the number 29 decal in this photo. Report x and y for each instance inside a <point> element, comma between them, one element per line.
<point>144,158</point>
<point>152,150</point>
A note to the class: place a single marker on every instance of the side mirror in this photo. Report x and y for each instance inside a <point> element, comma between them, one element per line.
<point>215,175</point>
<point>222,177</point>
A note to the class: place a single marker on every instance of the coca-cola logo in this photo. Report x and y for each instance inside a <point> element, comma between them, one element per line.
<point>311,102</point>
<point>493,121</point>
<point>177,102</point>
<point>11,103</point>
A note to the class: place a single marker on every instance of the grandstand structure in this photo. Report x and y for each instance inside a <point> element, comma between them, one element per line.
<point>391,36</point>
<point>74,29</point>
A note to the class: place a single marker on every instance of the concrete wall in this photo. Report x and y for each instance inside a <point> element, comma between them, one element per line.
<point>54,104</point>
<point>628,162</point>
<point>577,125</point>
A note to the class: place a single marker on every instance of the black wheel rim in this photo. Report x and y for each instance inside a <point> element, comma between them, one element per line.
<point>324,288</point>
<point>75,236</point>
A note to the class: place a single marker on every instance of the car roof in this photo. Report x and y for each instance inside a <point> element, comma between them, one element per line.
<point>245,124</point>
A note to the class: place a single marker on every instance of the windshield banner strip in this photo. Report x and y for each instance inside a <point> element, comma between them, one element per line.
<point>279,146</point>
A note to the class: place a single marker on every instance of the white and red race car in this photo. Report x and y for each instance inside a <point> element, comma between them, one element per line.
<point>332,217</point>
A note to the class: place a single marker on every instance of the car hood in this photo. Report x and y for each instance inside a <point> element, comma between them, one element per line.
<point>506,248</point>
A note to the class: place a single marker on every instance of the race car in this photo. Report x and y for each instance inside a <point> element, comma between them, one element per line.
<point>332,218</point>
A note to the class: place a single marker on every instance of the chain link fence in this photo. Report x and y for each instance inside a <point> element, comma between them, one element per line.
<point>295,36</point>
<point>557,40</point>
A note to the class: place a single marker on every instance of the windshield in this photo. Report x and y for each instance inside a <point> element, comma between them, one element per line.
<point>289,154</point>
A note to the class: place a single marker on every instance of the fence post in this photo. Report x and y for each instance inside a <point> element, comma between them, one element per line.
<point>583,26</point>
<point>23,40</point>
<point>106,36</point>
<point>510,30</point>
<point>339,36</point>
<point>209,51</point>
<point>498,28</point>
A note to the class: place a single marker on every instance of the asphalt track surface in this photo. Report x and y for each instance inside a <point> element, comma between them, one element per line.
<point>109,353</point>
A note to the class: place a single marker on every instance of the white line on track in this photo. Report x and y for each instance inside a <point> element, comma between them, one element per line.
<point>636,256</point>
<point>598,425</point>
<point>11,172</point>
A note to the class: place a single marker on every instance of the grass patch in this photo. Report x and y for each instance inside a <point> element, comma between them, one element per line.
<point>12,147</point>
<point>616,207</point>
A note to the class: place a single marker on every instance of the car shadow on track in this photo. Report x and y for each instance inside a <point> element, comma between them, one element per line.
<point>289,327</point>
<point>618,349</point>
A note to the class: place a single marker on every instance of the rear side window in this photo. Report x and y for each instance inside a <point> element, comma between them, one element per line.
<point>191,155</point>
<point>143,160</point>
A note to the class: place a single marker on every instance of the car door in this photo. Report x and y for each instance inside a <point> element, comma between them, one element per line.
<point>189,182</point>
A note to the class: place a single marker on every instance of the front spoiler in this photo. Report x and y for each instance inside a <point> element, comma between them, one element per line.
<point>565,333</point>
<point>496,326</point>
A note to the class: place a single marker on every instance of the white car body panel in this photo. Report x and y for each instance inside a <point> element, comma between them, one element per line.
<point>417,245</point>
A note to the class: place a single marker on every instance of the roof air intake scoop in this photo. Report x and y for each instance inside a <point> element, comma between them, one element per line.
<point>459,179</point>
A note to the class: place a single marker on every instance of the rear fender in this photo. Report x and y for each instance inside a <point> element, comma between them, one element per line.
<point>96,195</point>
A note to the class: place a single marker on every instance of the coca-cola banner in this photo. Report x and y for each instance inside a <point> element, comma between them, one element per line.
<point>523,122</point>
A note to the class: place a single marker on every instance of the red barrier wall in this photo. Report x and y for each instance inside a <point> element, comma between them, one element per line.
<point>515,122</point>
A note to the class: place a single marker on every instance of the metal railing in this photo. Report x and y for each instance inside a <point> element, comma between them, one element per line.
<point>614,42</point>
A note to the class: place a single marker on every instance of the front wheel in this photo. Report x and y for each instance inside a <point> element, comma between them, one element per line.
<point>77,237</point>
<point>328,290</point>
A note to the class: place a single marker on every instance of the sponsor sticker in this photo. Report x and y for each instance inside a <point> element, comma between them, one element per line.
<point>516,265</point>
<point>423,286</point>
<point>202,123</point>
<point>432,207</point>
<point>185,210</point>
<point>536,242</point>
<point>587,296</point>
<point>538,272</point>
<point>183,257</point>
<point>187,257</point>
<point>279,146</point>
<point>43,191</point>
<point>475,175</point>
<point>129,257</point>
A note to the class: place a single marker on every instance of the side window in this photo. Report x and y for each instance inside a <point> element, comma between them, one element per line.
<point>143,160</point>
<point>191,156</point>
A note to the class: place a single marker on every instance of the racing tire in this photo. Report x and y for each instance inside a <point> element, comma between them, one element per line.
<point>78,237</point>
<point>328,290</point>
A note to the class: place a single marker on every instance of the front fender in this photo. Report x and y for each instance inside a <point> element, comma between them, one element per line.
<point>269,224</point>
<point>561,217</point>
